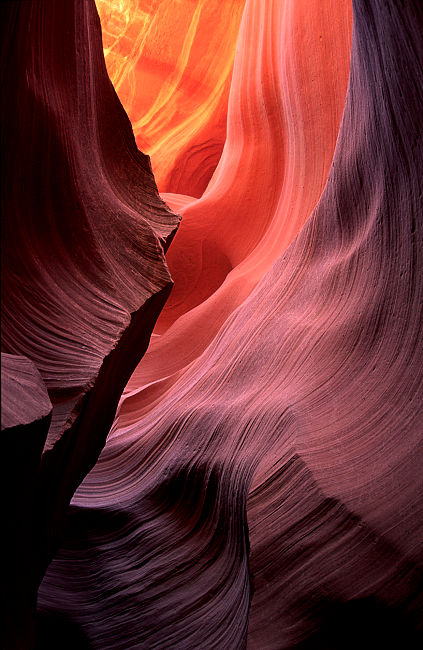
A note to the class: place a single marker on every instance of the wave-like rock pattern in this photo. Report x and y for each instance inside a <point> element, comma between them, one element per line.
<point>83,270</point>
<point>273,496</point>
<point>285,108</point>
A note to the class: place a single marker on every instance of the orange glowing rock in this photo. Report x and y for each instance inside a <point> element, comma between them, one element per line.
<point>171,65</point>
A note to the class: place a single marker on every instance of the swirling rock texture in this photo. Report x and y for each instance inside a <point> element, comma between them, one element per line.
<point>263,486</point>
<point>171,65</point>
<point>83,274</point>
<point>283,119</point>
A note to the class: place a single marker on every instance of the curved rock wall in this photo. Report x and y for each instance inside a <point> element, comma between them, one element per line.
<point>261,484</point>
<point>267,492</point>
<point>83,271</point>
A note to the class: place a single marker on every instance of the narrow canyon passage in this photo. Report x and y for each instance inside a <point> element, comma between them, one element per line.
<point>233,462</point>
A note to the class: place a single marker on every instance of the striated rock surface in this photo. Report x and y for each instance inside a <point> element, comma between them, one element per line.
<point>24,397</point>
<point>83,270</point>
<point>287,97</point>
<point>271,495</point>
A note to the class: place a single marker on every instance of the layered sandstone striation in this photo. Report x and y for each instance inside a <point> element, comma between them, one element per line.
<point>83,270</point>
<point>268,495</point>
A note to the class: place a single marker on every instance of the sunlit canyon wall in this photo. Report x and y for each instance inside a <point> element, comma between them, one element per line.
<point>261,483</point>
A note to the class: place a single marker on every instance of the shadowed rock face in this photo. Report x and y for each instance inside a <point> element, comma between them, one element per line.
<point>25,419</point>
<point>83,271</point>
<point>270,496</point>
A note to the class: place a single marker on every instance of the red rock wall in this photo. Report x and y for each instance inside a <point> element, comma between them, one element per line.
<point>83,272</point>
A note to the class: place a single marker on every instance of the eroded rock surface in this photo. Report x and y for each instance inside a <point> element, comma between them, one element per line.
<point>83,236</point>
<point>270,497</point>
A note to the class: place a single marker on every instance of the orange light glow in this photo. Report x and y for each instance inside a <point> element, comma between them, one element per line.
<point>171,65</point>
